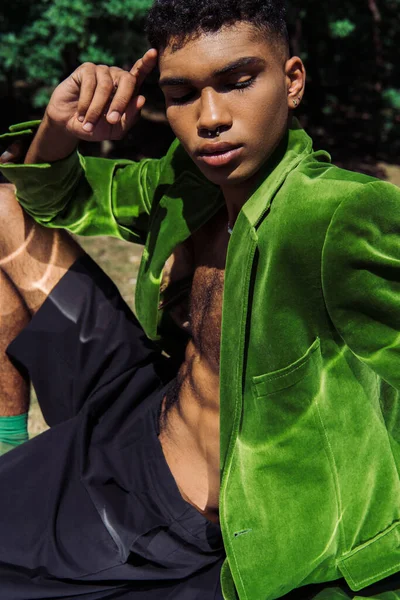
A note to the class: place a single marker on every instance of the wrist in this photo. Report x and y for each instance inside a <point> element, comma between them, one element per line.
<point>52,124</point>
<point>52,142</point>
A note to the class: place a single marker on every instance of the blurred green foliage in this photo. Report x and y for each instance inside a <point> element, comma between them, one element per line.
<point>353,73</point>
<point>44,41</point>
<point>341,28</point>
<point>350,51</point>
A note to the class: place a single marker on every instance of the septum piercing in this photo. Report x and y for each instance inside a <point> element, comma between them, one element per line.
<point>217,133</point>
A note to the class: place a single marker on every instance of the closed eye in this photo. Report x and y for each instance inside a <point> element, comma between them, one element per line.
<point>182,99</point>
<point>226,87</point>
<point>242,85</point>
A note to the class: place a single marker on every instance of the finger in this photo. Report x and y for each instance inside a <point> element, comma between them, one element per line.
<point>132,112</point>
<point>125,87</point>
<point>87,81</point>
<point>101,98</point>
<point>144,66</point>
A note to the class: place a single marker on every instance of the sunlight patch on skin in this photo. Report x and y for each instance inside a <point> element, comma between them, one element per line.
<point>19,250</point>
<point>43,283</point>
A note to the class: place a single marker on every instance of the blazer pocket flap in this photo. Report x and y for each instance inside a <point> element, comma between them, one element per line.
<point>286,377</point>
<point>375,560</point>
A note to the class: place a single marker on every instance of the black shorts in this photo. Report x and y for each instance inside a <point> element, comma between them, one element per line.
<point>90,509</point>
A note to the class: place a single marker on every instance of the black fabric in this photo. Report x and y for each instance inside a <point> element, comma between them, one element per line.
<point>89,509</point>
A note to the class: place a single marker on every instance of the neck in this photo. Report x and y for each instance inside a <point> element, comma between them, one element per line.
<point>236,196</point>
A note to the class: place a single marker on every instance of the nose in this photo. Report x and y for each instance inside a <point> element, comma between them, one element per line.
<point>214,113</point>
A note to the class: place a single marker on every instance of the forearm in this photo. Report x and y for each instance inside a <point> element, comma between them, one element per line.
<point>51,143</point>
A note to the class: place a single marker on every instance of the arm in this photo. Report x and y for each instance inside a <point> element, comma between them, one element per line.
<point>52,142</point>
<point>89,196</point>
<point>95,103</point>
<point>361,276</point>
<point>62,189</point>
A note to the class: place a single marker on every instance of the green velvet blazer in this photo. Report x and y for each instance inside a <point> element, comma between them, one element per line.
<point>310,350</point>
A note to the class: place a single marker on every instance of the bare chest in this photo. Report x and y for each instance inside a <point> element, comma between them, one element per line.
<point>201,264</point>
<point>206,312</point>
<point>207,293</point>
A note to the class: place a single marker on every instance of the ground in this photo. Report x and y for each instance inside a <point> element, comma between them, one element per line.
<point>121,261</point>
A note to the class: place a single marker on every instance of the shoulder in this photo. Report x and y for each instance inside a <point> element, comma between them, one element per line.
<point>368,207</point>
<point>322,191</point>
<point>362,241</point>
<point>314,175</point>
<point>361,274</point>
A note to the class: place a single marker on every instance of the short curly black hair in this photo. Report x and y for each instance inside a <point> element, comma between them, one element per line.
<point>181,20</point>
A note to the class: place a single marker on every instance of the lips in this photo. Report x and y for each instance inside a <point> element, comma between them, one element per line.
<point>216,148</point>
<point>218,153</point>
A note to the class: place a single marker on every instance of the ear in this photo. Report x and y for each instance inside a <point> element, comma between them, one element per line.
<point>295,80</point>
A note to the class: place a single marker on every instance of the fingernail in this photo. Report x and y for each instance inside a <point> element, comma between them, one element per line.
<point>114,117</point>
<point>6,157</point>
<point>88,127</point>
<point>81,119</point>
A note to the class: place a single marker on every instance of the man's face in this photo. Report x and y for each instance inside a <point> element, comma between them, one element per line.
<point>232,80</point>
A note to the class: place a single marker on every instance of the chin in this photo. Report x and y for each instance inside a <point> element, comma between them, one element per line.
<point>223,177</point>
<point>240,178</point>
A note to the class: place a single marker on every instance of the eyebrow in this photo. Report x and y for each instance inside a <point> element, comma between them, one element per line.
<point>230,68</point>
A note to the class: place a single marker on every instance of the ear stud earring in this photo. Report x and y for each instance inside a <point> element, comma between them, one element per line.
<point>295,102</point>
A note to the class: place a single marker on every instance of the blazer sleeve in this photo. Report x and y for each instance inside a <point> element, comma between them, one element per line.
<point>361,276</point>
<point>90,196</point>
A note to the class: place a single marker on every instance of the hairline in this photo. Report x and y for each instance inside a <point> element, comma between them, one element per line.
<point>175,43</point>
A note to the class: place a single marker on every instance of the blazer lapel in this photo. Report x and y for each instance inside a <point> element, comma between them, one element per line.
<point>187,205</point>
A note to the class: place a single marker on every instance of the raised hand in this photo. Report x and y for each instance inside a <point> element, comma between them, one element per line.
<point>99,103</point>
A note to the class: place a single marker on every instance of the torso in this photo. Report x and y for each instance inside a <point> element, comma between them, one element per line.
<point>190,436</point>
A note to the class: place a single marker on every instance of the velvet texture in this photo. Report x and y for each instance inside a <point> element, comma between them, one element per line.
<point>310,351</point>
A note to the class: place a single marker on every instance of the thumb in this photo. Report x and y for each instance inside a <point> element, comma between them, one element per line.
<point>12,153</point>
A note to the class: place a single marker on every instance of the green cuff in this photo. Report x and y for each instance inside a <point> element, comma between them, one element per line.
<point>22,127</point>
<point>20,131</point>
<point>14,430</point>
<point>43,189</point>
